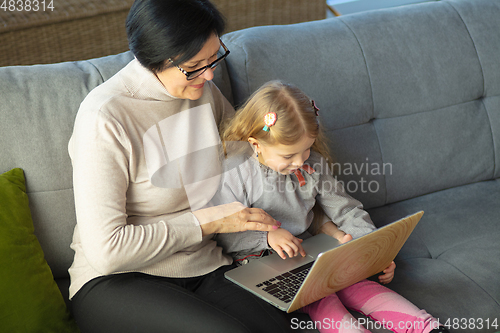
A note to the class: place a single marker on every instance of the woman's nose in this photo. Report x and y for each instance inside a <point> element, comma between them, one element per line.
<point>209,74</point>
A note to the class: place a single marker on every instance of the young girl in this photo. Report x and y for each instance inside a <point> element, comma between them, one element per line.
<point>280,165</point>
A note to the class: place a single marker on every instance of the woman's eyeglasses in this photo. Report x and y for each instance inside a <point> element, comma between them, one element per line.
<point>194,74</point>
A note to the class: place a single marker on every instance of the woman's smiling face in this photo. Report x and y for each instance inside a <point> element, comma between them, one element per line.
<point>175,81</point>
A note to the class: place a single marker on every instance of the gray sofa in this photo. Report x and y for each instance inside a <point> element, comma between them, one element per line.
<point>409,97</point>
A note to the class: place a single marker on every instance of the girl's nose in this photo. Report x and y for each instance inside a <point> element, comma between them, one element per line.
<point>298,162</point>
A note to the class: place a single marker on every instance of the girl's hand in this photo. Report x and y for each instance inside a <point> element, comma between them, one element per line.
<point>331,229</point>
<point>345,238</point>
<point>234,217</point>
<point>389,274</point>
<point>281,240</point>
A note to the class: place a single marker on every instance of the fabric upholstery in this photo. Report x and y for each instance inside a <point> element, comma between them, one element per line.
<point>37,114</point>
<point>390,90</point>
<point>449,263</point>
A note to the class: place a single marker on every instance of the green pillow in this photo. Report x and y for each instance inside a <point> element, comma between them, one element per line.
<point>30,300</point>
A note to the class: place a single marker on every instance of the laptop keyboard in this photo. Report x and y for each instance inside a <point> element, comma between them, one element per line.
<point>286,285</point>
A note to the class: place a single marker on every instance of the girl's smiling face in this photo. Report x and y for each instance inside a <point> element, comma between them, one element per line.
<point>283,158</point>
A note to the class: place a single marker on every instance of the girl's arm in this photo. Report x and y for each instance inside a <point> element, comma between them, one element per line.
<point>346,212</point>
<point>331,229</point>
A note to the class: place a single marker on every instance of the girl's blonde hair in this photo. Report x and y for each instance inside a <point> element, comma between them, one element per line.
<point>295,112</point>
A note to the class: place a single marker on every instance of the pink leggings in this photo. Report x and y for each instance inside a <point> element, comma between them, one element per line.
<point>372,299</point>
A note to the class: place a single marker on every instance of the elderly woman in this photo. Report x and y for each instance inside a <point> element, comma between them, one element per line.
<point>145,153</point>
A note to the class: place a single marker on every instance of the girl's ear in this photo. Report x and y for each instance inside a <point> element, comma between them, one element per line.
<point>254,142</point>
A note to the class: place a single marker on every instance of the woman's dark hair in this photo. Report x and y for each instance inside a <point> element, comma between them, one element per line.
<point>177,29</point>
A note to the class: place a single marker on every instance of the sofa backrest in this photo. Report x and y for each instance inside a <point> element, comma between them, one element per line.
<point>409,96</point>
<point>37,111</point>
<point>38,105</point>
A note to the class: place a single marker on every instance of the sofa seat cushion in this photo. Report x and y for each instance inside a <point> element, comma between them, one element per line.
<point>30,299</point>
<point>449,265</point>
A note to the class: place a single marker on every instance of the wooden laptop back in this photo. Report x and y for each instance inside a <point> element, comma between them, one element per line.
<point>354,261</point>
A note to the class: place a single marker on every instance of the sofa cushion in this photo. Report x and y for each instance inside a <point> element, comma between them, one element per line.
<point>448,266</point>
<point>30,301</point>
<point>38,111</point>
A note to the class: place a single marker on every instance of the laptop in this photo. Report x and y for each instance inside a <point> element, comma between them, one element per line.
<point>328,267</point>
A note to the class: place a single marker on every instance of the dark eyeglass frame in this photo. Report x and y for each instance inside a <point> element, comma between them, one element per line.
<point>196,73</point>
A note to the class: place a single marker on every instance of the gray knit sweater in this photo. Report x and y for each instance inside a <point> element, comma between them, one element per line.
<point>255,185</point>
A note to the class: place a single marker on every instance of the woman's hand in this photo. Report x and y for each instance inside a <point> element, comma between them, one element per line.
<point>281,240</point>
<point>234,217</point>
<point>389,274</point>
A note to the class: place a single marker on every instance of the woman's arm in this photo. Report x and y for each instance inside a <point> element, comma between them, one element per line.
<point>234,217</point>
<point>111,239</point>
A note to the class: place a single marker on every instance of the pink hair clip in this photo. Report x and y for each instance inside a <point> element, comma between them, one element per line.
<point>269,120</point>
<point>316,109</point>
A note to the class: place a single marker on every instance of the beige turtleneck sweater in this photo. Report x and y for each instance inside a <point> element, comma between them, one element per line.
<point>138,156</point>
